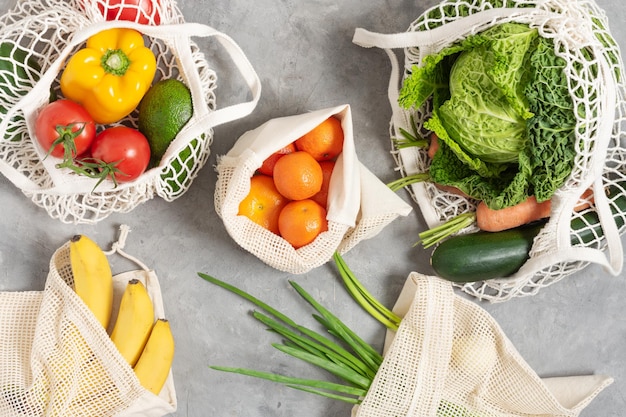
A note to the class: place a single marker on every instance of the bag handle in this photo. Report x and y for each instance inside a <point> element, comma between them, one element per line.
<point>430,40</point>
<point>243,65</point>
<point>177,34</point>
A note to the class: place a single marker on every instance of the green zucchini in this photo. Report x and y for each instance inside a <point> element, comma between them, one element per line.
<point>482,255</point>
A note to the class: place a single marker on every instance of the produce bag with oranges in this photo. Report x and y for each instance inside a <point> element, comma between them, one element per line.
<point>292,191</point>
<point>47,54</point>
<point>58,359</point>
<point>450,357</point>
<point>568,149</point>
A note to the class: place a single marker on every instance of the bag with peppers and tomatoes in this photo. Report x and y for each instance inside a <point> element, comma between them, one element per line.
<point>75,135</point>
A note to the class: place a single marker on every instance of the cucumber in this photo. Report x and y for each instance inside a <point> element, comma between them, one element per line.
<point>482,255</point>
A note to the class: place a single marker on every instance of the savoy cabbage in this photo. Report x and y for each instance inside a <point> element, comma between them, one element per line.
<point>502,112</point>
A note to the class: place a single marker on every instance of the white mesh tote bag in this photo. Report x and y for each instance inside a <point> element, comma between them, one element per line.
<point>359,204</point>
<point>449,357</point>
<point>57,358</point>
<point>38,37</point>
<point>592,67</point>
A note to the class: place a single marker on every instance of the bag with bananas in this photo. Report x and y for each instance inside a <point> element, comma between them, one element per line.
<point>90,343</point>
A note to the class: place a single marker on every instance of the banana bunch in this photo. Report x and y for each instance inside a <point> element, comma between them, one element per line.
<point>145,343</point>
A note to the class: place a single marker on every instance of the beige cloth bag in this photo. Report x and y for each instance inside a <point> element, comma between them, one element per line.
<point>451,358</point>
<point>58,360</point>
<point>359,205</point>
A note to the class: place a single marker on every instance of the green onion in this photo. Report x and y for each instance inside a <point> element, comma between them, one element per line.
<point>299,383</point>
<point>356,369</point>
<point>325,348</point>
<point>408,180</point>
<point>436,234</point>
<point>341,371</point>
<point>356,364</point>
<point>345,334</point>
<point>364,298</point>
<point>408,140</point>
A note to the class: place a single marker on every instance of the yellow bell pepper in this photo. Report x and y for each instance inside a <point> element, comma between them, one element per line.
<point>110,75</point>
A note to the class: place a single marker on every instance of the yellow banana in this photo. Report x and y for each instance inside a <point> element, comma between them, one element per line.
<point>134,321</point>
<point>155,361</point>
<point>93,281</point>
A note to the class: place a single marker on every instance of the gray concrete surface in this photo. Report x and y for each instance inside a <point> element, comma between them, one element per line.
<point>303,53</point>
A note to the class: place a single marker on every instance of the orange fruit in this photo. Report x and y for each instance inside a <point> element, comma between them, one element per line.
<point>267,167</point>
<point>298,176</point>
<point>263,203</point>
<point>301,221</point>
<point>324,142</point>
<point>321,197</point>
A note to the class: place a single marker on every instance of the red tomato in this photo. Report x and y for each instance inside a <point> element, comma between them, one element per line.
<point>138,11</point>
<point>65,125</point>
<point>267,167</point>
<point>124,149</point>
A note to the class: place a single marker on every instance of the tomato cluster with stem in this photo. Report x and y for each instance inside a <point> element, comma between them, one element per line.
<point>65,130</point>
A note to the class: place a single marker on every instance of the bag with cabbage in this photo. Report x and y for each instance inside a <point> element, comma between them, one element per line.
<point>501,106</point>
<point>38,38</point>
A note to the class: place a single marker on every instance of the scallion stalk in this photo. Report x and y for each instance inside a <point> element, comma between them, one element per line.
<point>364,298</point>
<point>356,366</point>
<point>436,234</point>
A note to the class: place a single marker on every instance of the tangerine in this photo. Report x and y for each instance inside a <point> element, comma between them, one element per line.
<point>324,142</point>
<point>263,203</point>
<point>298,176</point>
<point>321,197</point>
<point>267,167</point>
<point>301,221</point>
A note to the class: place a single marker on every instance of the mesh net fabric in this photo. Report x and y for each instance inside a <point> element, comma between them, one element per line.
<point>56,358</point>
<point>43,29</point>
<point>65,364</point>
<point>359,204</point>
<point>451,358</point>
<point>579,30</point>
<point>232,186</point>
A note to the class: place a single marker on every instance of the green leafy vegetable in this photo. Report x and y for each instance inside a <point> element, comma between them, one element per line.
<point>502,113</point>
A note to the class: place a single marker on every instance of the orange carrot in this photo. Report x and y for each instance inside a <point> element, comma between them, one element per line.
<point>509,217</point>
<point>525,212</point>
<point>433,146</point>
<point>451,189</point>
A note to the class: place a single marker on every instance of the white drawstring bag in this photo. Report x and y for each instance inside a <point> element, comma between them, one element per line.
<point>48,33</point>
<point>58,360</point>
<point>450,357</point>
<point>579,31</point>
<point>359,204</point>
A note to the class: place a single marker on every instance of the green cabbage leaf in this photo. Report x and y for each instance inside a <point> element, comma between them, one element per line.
<point>502,112</point>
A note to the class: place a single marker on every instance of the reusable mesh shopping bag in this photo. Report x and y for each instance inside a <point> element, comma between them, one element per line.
<point>38,37</point>
<point>450,357</point>
<point>359,204</point>
<point>594,70</point>
<point>58,360</point>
